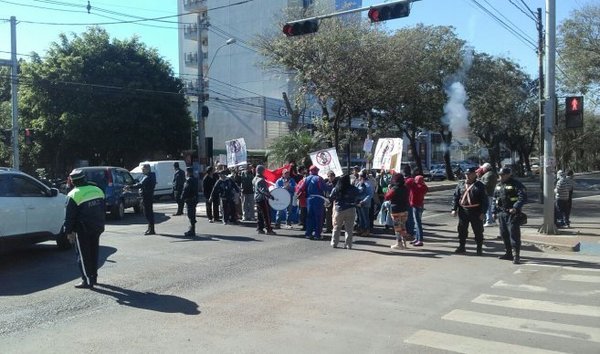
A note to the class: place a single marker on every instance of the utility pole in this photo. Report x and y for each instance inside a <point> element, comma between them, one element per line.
<point>14,87</point>
<point>202,26</point>
<point>548,227</point>
<point>540,29</point>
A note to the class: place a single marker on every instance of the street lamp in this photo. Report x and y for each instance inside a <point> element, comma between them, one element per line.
<point>201,112</point>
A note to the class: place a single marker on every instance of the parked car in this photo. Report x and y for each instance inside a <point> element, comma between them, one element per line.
<point>30,212</point>
<point>413,166</point>
<point>115,183</point>
<point>438,172</point>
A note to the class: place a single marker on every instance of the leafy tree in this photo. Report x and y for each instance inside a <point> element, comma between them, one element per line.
<point>295,146</point>
<point>498,89</point>
<point>109,101</point>
<point>578,42</point>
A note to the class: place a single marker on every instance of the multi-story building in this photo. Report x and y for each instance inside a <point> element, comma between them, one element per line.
<point>243,99</point>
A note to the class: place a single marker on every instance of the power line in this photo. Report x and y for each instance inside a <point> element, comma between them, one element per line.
<point>529,14</point>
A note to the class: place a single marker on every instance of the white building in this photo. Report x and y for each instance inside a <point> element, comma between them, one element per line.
<point>243,100</point>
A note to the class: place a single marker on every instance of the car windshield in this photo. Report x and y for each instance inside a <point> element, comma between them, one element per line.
<point>98,177</point>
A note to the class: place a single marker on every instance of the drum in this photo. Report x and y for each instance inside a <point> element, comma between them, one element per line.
<point>282,198</point>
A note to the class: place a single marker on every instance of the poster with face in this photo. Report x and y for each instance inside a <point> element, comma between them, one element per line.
<point>326,160</point>
<point>388,153</point>
<point>237,154</point>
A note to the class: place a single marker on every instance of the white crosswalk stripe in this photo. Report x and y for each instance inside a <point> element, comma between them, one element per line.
<point>525,325</point>
<point>581,278</point>
<point>501,284</point>
<point>538,305</point>
<point>468,345</point>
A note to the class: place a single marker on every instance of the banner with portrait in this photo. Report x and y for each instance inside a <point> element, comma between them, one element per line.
<point>388,153</point>
<point>237,155</point>
<point>326,160</point>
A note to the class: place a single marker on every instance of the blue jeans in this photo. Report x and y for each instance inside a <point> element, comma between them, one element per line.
<point>410,222</point>
<point>489,218</point>
<point>417,217</point>
<point>363,218</point>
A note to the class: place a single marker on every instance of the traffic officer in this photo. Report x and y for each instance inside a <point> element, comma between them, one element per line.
<point>178,181</point>
<point>84,223</point>
<point>509,197</point>
<point>146,186</point>
<point>470,202</point>
<point>190,196</point>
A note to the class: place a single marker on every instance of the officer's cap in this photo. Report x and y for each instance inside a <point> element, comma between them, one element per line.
<point>77,175</point>
<point>505,171</point>
<point>471,170</point>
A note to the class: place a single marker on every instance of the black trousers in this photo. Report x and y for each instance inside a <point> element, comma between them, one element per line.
<point>263,212</point>
<point>470,216</point>
<point>212,209</point>
<point>228,210</point>
<point>149,210</point>
<point>190,206</point>
<point>509,230</point>
<point>87,246</point>
<point>180,202</point>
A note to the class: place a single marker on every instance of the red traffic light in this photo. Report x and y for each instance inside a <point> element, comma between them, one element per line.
<point>574,112</point>
<point>389,11</point>
<point>301,28</point>
<point>574,104</point>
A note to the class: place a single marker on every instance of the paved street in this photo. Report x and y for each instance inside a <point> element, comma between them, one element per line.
<point>229,290</point>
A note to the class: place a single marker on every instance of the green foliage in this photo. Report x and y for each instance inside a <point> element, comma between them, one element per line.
<point>295,146</point>
<point>108,101</point>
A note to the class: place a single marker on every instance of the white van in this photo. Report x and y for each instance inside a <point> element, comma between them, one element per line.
<point>164,175</point>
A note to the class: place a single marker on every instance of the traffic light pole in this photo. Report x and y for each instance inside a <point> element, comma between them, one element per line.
<point>548,227</point>
<point>14,87</point>
<point>540,29</point>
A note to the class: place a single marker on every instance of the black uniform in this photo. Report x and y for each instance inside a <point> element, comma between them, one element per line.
<point>178,181</point>
<point>190,196</point>
<point>509,195</point>
<point>147,190</point>
<point>470,201</point>
<point>85,215</point>
<point>212,207</point>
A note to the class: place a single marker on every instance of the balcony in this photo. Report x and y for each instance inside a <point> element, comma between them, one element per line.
<point>194,5</point>
<point>190,32</point>
<point>191,58</point>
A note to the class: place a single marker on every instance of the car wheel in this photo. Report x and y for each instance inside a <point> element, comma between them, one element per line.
<point>63,242</point>
<point>118,211</point>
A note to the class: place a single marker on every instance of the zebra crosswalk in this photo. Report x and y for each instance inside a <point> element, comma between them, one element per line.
<point>521,314</point>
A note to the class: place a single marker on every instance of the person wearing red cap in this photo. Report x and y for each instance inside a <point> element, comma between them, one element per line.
<point>314,189</point>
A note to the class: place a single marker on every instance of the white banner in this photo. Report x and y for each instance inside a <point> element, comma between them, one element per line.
<point>368,145</point>
<point>388,154</point>
<point>237,154</point>
<point>326,160</point>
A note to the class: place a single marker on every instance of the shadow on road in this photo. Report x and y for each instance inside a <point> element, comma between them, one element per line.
<point>149,301</point>
<point>41,267</point>
<point>206,237</point>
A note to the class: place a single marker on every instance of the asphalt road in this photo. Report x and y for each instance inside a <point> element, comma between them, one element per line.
<point>229,290</point>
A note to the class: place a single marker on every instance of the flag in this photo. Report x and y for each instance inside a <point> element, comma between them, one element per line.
<point>273,175</point>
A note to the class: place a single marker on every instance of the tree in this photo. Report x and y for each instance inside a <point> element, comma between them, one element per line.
<point>296,146</point>
<point>109,101</point>
<point>498,90</point>
<point>578,43</point>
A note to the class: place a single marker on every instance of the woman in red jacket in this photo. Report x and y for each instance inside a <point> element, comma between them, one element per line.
<point>397,194</point>
<point>417,201</point>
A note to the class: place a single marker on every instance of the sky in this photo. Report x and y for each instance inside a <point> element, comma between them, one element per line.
<point>38,20</point>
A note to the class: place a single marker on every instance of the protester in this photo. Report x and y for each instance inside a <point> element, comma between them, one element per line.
<point>570,203</point>
<point>397,194</point>
<point>261,196</point>
<point>489,180</point>
<point>509,198</point>
<point>247,194</point>
<point>84,223</point>
<point>212,205</point>
<point>344,196</point>
<point>190,197</point>
<point>364,205</point>
<point>416,198</point>
<point>301,195</point>
<point>314,189</point>
<point>178,181</point>
<point>288,184</point>
<point>224,191</point>
<point>330,182</point>
<point>375,201</point>
<point>470,203</point>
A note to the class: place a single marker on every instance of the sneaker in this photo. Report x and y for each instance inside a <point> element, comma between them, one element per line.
<point>348,246</point>
<point>334,245</point>
<point>271,232</point>
<point>507,257</point>
<point>487,224</point>
<point>397,246</point>
<point>260,231</point>
<point>211,221</point>
<point>418,244</point>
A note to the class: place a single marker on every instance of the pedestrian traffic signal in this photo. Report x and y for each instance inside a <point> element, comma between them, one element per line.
<point>300,28</point>
<point>389,11</point>
<point>28,136</point>
<point>6,136</point>
<point>574,112</point>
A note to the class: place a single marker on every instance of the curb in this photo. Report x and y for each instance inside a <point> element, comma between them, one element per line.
<point>542,245</point>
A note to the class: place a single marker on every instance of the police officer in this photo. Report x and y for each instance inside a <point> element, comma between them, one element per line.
<point>146,186</point>
<point>84,223</point>
<point>509,197</point>
<point>178,181</point>
<point>190,196</point>
<point>470,202</point>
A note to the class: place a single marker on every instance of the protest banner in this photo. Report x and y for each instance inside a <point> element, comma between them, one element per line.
<point>237,154</point>
<point>388,154</point>
<point>326,160</point>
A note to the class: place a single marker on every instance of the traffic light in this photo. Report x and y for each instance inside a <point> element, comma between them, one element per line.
<point>389,11</point>
<point>6,136</point>
<point>300,28</point>
<point>574,112</point>
<point>28,136</point>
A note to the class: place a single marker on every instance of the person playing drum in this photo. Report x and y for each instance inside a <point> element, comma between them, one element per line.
<point>287,183</point>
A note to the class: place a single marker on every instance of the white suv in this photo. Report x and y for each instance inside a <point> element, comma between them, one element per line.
<point>30,211</point>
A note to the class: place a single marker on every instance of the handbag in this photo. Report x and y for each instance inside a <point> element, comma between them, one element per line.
<point>521,218</point>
